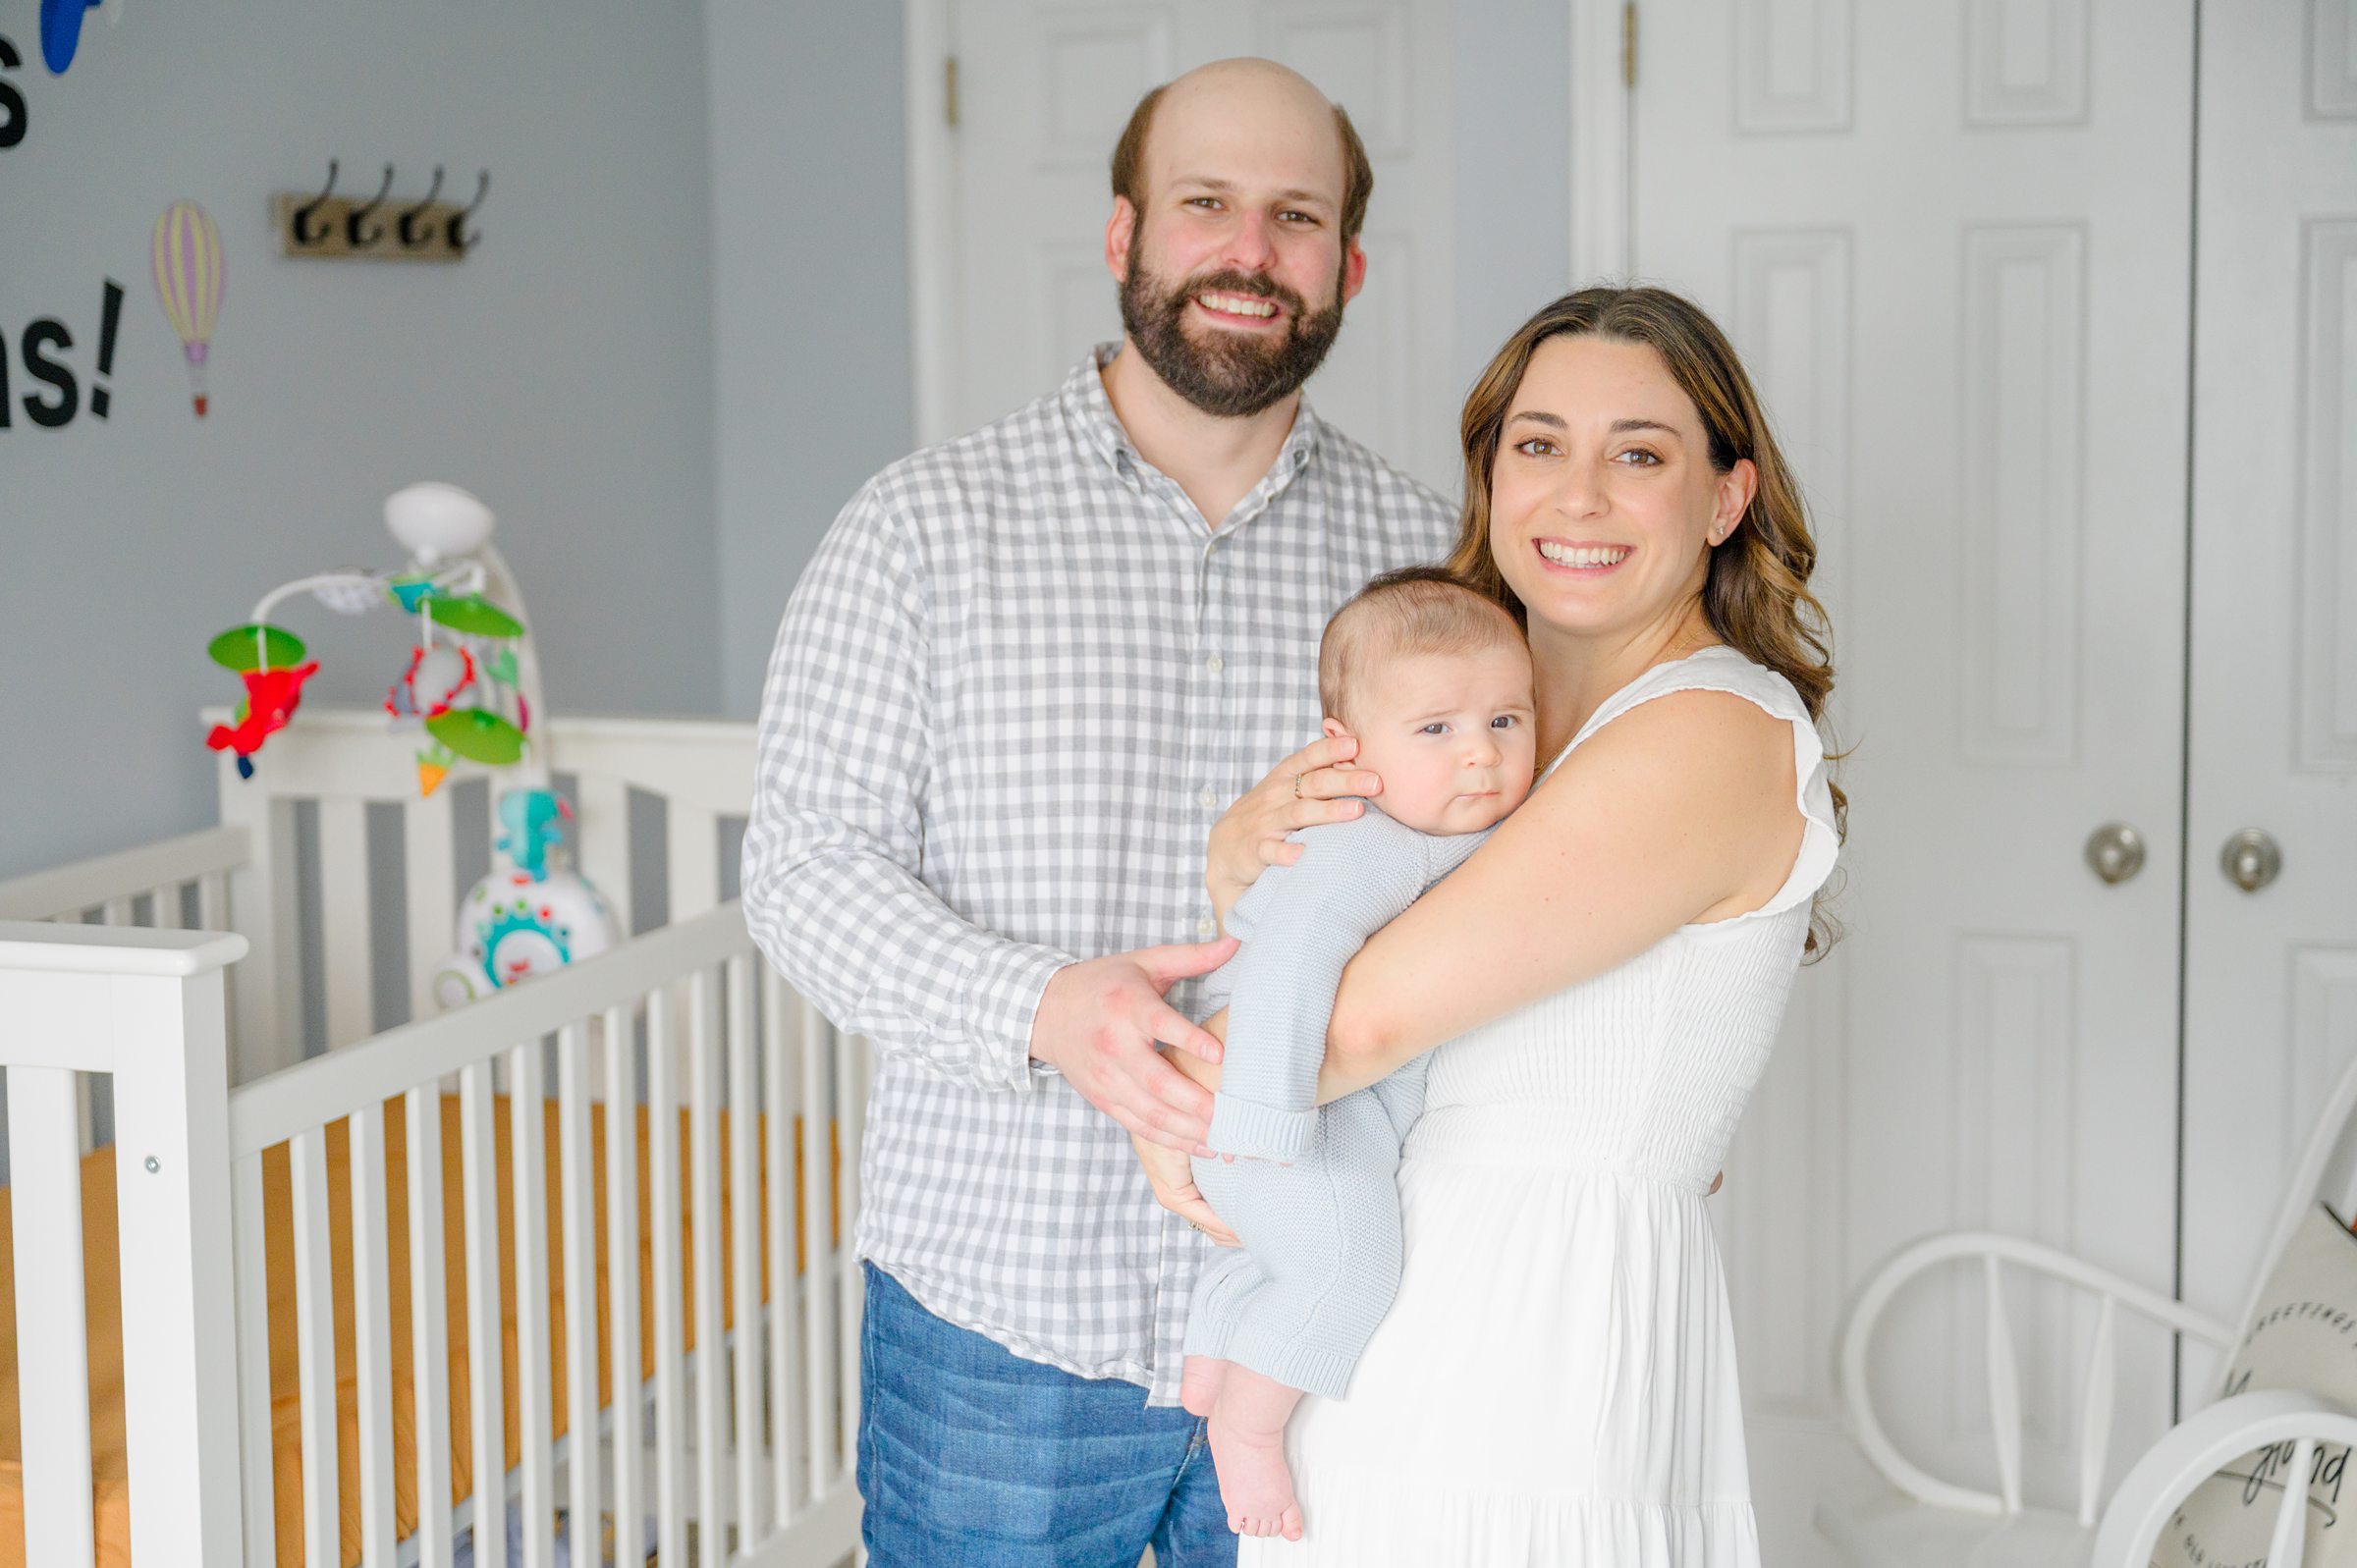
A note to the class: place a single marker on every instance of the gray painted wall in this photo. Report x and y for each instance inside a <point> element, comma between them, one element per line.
<point>562,372</point>
<point>809,296</point>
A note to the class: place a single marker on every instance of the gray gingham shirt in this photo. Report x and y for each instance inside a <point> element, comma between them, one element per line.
<point>1013,689</point>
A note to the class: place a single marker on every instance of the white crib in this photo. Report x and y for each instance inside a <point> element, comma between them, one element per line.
<point>193,1040</point>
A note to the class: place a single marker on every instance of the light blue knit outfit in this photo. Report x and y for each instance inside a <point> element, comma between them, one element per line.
<point>1312,1195</point>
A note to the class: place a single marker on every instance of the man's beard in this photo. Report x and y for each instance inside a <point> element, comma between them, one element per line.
<point>1231,375</point>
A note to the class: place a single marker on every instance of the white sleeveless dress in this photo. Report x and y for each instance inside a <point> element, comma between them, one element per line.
<point>1556,1383</point>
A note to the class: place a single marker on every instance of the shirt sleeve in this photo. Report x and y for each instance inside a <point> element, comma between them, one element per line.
<point>832,851</point>
<point>1352,879</point>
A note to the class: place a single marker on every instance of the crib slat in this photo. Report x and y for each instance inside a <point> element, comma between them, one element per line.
<point>117,912</point>
<point>315,1348</point>
<point>580,1158</point>
<point>248,1234</point>
<point>603,849</point>
<point>528,1155</point>
<point>745,1192</point>
<point>780,1009</point>
<point>429,1328</point>
<point>663,1205</point>
<point>694,841</point>
<point>212,901</point>
<point>52,1331</point>
<point>429,841</point>
<point>818,1344</point>
<point>344,920</point>
<point>711,1351</point>
<point>165,903</point>
<point>622,1278</point>
<point>478,1156</point>
<point>850,1109</point>
<point>372,1333</point>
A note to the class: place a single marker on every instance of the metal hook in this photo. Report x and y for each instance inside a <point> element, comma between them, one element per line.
<point>412,234</point>
<point>304,233</point>
<point>459,240</point>
<point>354,219</point>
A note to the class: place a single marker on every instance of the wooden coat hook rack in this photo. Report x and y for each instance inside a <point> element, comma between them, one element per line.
<point>379,229</point>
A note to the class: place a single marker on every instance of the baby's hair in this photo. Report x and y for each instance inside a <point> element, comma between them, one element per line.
<point>1408,611</point>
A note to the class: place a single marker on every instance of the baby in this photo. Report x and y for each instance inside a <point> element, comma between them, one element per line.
<point>1434,680</point>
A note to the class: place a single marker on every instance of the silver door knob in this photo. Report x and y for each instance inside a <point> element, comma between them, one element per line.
<point>2251,860</point>
<point>2116,853</point>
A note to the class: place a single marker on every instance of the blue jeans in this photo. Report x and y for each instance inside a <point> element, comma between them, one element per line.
<point>972,1457</point>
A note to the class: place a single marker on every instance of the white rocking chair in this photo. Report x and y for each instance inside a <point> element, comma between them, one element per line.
<point>1922,1521</point>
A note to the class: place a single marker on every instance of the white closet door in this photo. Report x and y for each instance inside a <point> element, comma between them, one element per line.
<point>2271,987</point>
<point>1953,244</point>
<point>1016,266</point>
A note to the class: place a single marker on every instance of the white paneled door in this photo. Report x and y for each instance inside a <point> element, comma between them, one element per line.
<point>1012,281</point>
<point>1961,277</point>
<point>2271,997</point>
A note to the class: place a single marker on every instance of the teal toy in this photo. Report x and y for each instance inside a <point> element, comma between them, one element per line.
<point>531,819</point>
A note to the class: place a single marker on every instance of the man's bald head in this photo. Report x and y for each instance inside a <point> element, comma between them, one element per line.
<point>1218,91</point>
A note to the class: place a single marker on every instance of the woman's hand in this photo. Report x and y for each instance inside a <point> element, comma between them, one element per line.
<point>1299,793</point>
<point>1173,1176</point>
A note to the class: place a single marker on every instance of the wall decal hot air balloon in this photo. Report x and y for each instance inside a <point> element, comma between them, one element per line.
<point>188,280</point>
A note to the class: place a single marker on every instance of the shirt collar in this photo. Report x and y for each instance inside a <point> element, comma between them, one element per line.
<point>1090,414</point>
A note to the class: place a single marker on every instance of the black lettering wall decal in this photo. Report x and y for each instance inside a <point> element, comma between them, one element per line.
<point>53,394</point>
<point>101,395</point>
<point>40,338</point>
<point>12,102</point>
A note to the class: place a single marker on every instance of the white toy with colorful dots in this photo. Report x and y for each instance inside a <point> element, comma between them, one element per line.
<point>529,916</point>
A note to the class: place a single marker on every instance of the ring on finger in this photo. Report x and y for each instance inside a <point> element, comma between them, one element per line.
<point>1298,778</point>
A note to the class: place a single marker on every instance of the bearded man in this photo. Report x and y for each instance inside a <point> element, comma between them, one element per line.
<point>1022,677</point>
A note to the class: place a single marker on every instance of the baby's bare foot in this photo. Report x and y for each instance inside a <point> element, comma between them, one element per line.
<point>1256,1485</point>
<point>1199,1381</point>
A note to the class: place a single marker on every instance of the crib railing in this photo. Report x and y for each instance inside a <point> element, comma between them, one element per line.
<point>335,868</point>
<point>750,1436</point>
<point>320,799</point>
<point>177,884</point>
<point>144,1008</point>
<point>151,886</point>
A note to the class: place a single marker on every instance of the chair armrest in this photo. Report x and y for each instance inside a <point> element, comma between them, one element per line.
<point>2202,1445</point>
<point>1991,1251</point>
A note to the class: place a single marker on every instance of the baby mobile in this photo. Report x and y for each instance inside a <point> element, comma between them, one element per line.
<point>470,689</point>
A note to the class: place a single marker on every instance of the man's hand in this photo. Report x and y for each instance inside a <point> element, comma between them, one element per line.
<point>1098,1023</point>
<point>1299,793</point>
<point>1172,1178</point>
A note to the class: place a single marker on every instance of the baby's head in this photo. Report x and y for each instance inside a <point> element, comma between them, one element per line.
<point>1434,680</point>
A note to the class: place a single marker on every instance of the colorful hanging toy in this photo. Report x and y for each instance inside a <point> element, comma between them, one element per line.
<point>470,687</point>
<point>527,917</point>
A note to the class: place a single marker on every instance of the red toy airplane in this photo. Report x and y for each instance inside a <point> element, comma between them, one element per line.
<point>271,696</point>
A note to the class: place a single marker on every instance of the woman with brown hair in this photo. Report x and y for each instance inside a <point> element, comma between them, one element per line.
<point>1556,1382</point>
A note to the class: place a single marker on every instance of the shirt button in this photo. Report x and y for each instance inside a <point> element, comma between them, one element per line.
<point>1207,798</point>
<point>1214,664</point>
<point>1207,927</point>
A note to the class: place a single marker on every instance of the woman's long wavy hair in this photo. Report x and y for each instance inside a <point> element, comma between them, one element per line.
<point>1756,596</point>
